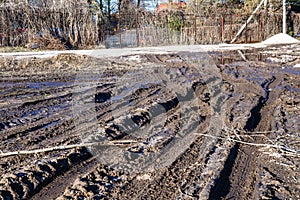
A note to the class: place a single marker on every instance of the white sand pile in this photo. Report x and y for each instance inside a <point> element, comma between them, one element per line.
<point>281,38</point>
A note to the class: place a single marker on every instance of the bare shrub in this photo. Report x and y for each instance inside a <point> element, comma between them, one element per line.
<point>71,25</point>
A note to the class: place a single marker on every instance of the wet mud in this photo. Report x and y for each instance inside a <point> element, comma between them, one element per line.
<point>162,126</point>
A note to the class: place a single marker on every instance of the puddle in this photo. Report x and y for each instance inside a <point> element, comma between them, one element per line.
<point>51,124</point>
<point>36,85</point>
<point>295,71</point>
<point>47,111</point>
<point>292,89</point>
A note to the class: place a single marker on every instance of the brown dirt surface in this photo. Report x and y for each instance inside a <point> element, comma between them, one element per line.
<point>254,155</point>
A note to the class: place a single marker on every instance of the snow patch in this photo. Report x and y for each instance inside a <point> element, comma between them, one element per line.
<point>281,38</point>
<point>144,177</point>
<point>297,66</point>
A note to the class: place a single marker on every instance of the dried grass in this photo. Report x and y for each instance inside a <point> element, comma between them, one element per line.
<point>47,27</point>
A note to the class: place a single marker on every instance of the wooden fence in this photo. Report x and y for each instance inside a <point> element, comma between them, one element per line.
<point>212,29</point>
<point>76,27</point>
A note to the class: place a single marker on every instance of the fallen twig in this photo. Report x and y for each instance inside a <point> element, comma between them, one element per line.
<point>65,147</point>
<point>295,151</point>
<point>242,55</point>
<point>257,132</point>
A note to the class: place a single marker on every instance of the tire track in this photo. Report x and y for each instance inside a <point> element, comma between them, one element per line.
<point>242,159</point>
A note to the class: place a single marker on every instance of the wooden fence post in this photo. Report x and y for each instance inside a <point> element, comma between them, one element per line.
<point>223,28</point>
<point>195,26</point>
<point>230,26</point>
<point>137,29</point>
<point>119,23</point>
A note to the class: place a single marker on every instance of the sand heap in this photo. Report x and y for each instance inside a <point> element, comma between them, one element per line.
<point>281,38</point>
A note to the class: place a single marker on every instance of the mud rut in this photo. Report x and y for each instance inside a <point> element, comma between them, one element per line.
<point>262,106</point>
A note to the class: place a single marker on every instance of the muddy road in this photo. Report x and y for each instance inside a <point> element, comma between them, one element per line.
<point>186,125</point>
